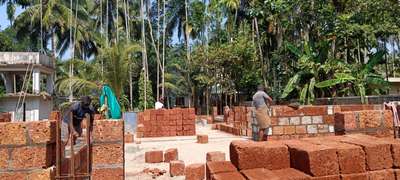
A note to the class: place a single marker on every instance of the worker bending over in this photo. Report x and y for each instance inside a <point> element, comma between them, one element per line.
<point>78,110</point>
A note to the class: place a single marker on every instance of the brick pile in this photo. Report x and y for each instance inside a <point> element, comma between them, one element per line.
<point>108,149</point>
<point>161,123</point>
<point>5,117</point>
<point>27,150</point>
<point>373,122</point>
<point>346,157</point>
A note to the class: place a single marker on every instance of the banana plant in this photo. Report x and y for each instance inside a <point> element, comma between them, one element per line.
<point>309,67</point>
<point>363,79</point>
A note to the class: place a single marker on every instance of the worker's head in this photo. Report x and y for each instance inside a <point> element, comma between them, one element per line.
<point>161,99</point>
<point>86,101</point>
<point>260,87</point>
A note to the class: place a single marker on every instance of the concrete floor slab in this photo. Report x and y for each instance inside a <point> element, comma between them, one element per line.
<point>188,150</point>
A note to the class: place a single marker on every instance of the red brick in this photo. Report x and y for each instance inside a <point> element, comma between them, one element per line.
<point>128,138</point>
<point>277,130</point>
<point>228,176</point>
<point>351,158</point>
<point>313,159</point>
<point>195,172</point>
<point>154,156</point>
<point>32,157</point>
<point>330,177</point>
<point>13,175</point>
<point>291,174</point>
<point>176,168</point>
<point>219,167</point>
<point>42,174</point>
<point>388,119</point>
<point>202,139</point>
<point>386,174</point>
<point>12,134</point>
<point>4,158</point>
<point>170,155</point>
<point>329,119</point>
<point>108,173</point>
<point>274,121</point>
<point>345,121</point>
<point>55,115</point>
<point>42,131</point>
<point>370,119</point>
<point>107,153</point>
<point>288,130</point>
<point>108,131</point>
<point>397,173</point>
<point>395,149</point>
<point>215,156</point>
<point>250,155</point>
<point>259,174</point>
<point>301,129</point>
<point>378,154</point>
<point>357,176</point>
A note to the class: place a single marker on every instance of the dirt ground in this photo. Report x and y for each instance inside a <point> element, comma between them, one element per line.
<point>188,151</point>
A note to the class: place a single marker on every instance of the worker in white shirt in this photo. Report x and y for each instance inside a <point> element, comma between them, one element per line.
<point>159,104</point>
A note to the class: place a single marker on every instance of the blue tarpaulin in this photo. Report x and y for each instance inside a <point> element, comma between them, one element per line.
<point>114,110</point>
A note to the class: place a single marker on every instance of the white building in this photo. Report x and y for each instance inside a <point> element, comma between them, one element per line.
<point>29,81</point>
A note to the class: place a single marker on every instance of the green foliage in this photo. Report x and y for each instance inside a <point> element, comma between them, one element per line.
<point>149,93</point>
<point>2,91</point>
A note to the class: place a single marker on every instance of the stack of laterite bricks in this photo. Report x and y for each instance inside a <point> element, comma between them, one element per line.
<point>27,150</point>
<point>348,157</point>
<point>238,121</point>
<point>161,123</point>
<point>5,117</point>
<point>108,149</point>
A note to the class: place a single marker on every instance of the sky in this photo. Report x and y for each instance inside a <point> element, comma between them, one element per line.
<point>4,22</point>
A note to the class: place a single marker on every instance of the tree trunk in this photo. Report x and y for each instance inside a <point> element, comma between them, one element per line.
<point>260,53</point>
<point>163,51</point>
<point>187,47</point>
<point>116,24</point>
<point>144,55</point>
<point>359,51</point>
<point>346,50</point>
<point>130,87</point>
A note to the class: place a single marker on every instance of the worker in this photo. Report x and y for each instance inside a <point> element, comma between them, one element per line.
<point>261,112</point>
<point>159,104</point>
<point>78,110</point>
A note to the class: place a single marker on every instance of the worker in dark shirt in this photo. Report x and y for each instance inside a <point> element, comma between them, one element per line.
<point>79,110</point>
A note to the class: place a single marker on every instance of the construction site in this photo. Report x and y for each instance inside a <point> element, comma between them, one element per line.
<point>321,142</point>
<point>199,89</point>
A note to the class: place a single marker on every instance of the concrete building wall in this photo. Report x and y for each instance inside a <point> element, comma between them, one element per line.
<point>34,105</point>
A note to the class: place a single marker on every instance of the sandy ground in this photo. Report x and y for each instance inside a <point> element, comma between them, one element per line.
<point>188,151</point>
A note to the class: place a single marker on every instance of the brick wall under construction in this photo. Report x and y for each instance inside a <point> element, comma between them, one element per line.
<point>27,150</point>
<point>311,121</point>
